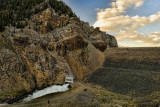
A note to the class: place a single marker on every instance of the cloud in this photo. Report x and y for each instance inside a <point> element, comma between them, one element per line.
<point>156,33</point>
<point>153,39</point>
<point>121,5</point>
<point>97,9</point>
<point>113,20</point>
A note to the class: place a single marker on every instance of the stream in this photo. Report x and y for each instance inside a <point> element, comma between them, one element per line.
<point>45,91</point>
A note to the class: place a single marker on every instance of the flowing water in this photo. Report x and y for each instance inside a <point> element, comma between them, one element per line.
<point>48,90</point>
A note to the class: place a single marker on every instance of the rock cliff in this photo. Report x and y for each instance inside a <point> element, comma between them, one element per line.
<point>50,46</point>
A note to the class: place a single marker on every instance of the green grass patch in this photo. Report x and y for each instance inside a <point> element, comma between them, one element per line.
<point>11,94</point>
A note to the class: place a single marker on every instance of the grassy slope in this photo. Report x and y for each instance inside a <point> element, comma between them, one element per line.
<point>133,58</point>
<point>131,71</point>
<point>153,100</point>
<point>125,81</point>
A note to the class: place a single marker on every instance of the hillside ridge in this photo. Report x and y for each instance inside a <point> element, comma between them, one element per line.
<point>38,40</point>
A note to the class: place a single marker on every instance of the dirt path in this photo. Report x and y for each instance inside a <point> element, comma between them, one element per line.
<point>81,95</point>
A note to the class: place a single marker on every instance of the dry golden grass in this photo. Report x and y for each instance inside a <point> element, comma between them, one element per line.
<point>131,71</point>
<point>133,58</point>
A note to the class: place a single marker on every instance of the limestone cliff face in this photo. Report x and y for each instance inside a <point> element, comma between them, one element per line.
<point>42,53</point>
<point>101,40</point>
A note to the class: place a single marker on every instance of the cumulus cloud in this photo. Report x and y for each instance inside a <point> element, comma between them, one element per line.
<point>113,20</point>
<point>153,39</point>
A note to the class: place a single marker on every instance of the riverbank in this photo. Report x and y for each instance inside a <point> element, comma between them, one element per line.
<point>81,95</point>
<point>25,94</point>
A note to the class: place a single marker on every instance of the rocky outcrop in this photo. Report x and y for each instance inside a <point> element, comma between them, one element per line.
<point>102,41</point>
<point>49,47</point>
<point>29,69</point>
<point>48,20</point>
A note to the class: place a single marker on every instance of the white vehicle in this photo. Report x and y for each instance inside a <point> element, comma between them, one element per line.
<point>69,79</point>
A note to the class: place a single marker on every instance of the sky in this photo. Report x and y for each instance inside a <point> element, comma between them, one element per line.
<point>134,23</point>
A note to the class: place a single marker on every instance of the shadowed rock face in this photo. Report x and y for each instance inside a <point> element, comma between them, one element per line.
<point>101,46</point>
<point>102,41</point>
<point>42,53</point>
